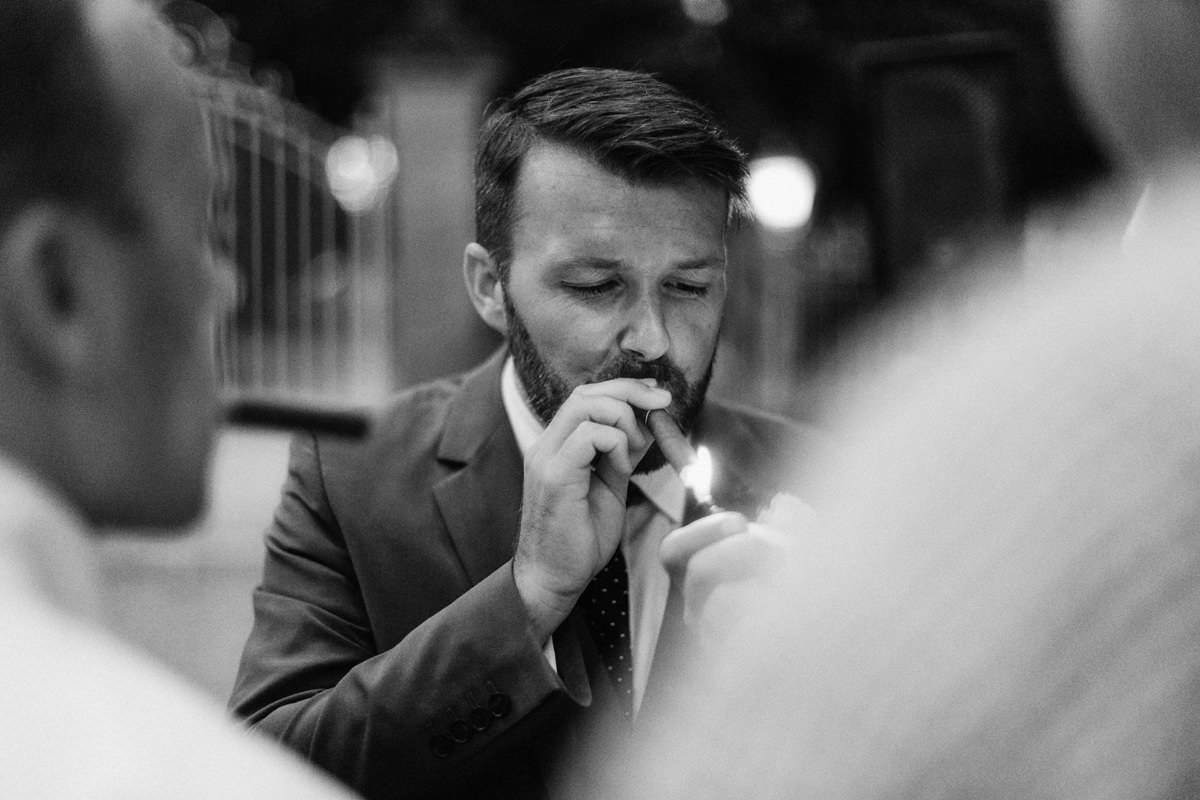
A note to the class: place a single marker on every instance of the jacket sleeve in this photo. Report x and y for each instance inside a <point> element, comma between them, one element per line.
<point>461,697</point>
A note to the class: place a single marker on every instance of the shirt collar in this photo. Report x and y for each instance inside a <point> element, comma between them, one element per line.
<point>662,487</point>
<point>45,550</point>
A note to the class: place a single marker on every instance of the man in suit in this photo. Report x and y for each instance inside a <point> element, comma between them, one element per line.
<point>107,303</point>
<point>428,623</point>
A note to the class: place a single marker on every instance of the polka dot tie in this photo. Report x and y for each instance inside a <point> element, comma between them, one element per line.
<point>606,608</point>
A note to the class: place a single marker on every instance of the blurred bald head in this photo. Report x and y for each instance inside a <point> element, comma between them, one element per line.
<point>1135,65</point>
<point>106,380</point>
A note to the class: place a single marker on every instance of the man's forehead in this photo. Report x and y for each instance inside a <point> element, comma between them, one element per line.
<point>136,50</point>
<point>558,181</point>
<point>150,90</point>
<point>116,24</point>
<point>549,164</point>
<point>105,16</point>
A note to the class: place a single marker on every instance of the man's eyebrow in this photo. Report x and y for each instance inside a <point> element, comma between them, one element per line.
<point>600,263</point>
<point>588,262</point>
<point>716,262</point>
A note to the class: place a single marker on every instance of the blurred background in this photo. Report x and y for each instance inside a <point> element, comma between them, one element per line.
<point>901,149</point>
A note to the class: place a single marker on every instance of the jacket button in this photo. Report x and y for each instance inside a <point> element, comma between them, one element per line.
<point>499,704</point>
<point>479,718</point>
<point>460,731</point>
<point>441,745</point>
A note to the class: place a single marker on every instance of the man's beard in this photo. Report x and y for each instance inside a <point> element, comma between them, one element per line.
<point>546,391</point>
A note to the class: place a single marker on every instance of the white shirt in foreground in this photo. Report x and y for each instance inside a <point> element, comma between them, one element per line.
<point>81,715</point>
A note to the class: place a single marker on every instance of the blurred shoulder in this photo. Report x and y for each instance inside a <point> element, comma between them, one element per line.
<point>770,450</point>
<point>129,727</point>
<point>723,418</point>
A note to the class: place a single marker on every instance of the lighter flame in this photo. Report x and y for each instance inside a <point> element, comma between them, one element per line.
<point>697,475</point>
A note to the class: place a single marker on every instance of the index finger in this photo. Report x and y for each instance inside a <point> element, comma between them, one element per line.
<point>607,403</point>
<point>680,545</point>
<point>641,392</point>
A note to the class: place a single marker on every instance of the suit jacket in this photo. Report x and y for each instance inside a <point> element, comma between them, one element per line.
<point>390,645</point>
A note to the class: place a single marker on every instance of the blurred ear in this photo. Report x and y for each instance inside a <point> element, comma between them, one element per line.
<point>484,286</point>
<point>42,294</point>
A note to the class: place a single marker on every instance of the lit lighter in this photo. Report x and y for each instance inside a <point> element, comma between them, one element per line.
<point>694,466</point>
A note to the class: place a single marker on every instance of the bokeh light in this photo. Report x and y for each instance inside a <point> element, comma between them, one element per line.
<point>782,190</point>
<point>706,12</point>
<point>360,170</point>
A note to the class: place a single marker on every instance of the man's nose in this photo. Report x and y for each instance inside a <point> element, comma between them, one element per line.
<point>645,334</point>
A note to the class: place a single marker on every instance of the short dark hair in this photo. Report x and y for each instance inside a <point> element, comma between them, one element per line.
<point>630,123</point>
<point>60,136</point>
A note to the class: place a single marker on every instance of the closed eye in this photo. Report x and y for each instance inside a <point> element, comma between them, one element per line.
<point>591,289</point>
<point>694,289</point>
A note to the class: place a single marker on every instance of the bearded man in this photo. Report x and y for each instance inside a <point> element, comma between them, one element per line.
<point>425,625</point>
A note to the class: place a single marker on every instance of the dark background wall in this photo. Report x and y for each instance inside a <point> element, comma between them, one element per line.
<point>775,69</point>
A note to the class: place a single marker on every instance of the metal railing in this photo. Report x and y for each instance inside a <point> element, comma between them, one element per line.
<point>313,311</point>
<point>313,314</point>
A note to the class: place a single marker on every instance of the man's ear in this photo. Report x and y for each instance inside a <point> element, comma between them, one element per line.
<point>42,295</point>
<point>485,287</point>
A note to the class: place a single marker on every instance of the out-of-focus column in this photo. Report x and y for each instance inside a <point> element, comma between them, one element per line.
<point>430,108</point>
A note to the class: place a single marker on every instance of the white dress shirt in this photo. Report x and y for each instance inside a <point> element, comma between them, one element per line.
<point>81,715</point>
<point>645,527</point>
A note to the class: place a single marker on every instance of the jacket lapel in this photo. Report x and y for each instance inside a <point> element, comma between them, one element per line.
<point>481,502</point>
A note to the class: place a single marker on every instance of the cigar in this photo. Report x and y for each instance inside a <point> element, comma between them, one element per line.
<point>680,454</point>
<point>287,413</point>
<point>674,445</point>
